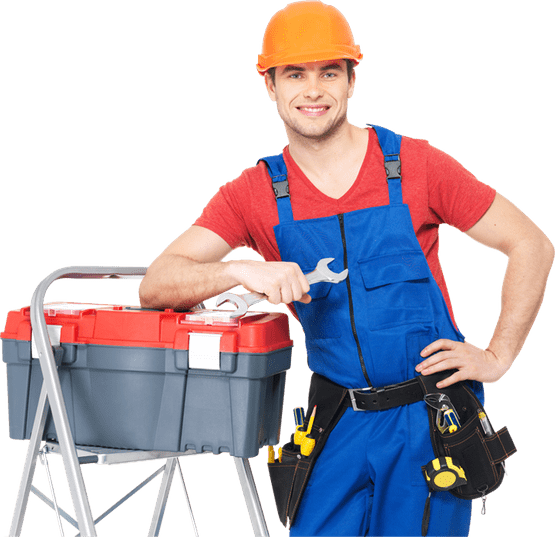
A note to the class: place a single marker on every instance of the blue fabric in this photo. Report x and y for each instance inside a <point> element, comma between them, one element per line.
<point>278,172</point>
<point>368,479</point>
<point>390,142</point>
<point>395,191</point>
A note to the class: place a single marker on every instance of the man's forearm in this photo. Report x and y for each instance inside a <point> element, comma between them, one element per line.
<point>174,281</point>
<point>523,289</point>
<point>177,282</point>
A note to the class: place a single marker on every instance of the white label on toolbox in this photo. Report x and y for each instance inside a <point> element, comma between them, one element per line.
<point>54,332</point>
<point>204,351</point>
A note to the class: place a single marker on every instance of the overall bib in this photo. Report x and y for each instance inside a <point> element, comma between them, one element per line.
<point>368,331</point>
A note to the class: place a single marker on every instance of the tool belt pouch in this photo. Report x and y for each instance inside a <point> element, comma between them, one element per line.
<point>480,456</point>
<point>290,476</point>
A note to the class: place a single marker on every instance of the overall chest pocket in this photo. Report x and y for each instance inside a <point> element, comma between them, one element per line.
<point>397,289</point>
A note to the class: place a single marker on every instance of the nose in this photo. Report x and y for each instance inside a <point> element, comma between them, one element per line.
<point>313,88</point>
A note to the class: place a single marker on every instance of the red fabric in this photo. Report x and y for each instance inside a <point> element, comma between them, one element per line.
<point>436,188</point>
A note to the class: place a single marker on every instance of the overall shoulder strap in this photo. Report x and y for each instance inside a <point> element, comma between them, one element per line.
<point>278,173</point>
<point>390,144</point>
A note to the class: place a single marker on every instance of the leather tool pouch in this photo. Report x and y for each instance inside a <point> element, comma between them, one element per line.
<point>290,476</point>
<point>480,456</point>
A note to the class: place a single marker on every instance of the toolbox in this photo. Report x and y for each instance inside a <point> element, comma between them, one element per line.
<point>142,379</point>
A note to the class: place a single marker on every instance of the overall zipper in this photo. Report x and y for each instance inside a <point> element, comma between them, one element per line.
<point>350,294</point>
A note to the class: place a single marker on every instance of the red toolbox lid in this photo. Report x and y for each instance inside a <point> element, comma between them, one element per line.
<point>131,326</point>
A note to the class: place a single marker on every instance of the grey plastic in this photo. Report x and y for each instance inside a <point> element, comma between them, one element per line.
<point>148,399</point>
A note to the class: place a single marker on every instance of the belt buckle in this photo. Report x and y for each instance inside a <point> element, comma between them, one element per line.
<point>353,399</point>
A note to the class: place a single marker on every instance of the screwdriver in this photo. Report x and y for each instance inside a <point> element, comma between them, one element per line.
<point>488,429</point>
<point>450,421</point>
<point>300,431</point>
<point>309,441</point>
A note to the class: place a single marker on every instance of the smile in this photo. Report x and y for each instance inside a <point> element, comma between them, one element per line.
<point>313,111</point>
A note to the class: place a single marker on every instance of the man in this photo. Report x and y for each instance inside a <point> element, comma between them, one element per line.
<point>391,319</point>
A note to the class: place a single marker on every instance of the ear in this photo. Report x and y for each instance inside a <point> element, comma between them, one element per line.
<point>352,84</point>
<point>270,86</point>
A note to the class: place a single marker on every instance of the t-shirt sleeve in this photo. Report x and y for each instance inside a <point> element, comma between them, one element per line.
<point>456,197</point>
<point>223,215</point>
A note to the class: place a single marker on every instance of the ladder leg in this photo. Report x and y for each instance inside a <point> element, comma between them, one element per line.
<point>44,460</point>
<point>187,498</point>
<point>251,497</point>
<point>30,465</point>
<point>162,498</point>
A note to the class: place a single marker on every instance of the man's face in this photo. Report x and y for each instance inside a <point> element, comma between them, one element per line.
<point>312,97</point>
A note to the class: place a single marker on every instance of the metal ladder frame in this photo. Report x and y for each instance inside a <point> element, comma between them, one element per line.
<point>51,396</point>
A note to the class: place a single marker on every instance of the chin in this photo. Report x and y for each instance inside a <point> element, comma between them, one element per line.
<point>317,132</point>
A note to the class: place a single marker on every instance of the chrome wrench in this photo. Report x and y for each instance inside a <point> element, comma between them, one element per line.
<point>321,273</point>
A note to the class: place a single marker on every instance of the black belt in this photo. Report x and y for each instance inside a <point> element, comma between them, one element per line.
<point>373,399</point>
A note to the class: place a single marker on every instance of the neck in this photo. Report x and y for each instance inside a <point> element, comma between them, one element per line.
<point>320,157</point>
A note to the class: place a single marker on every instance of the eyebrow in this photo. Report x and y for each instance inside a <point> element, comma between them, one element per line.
<point>289,68</point>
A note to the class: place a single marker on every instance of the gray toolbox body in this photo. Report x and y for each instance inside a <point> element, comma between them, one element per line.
<point>130,380</point>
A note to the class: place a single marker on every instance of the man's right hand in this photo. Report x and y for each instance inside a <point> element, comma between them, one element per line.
<point>281,282</point>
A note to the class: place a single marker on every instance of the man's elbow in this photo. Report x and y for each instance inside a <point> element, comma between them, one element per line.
<point>539,249</point>
<point>147,293</point>
<point>145,298</point>
<point>548,252</point>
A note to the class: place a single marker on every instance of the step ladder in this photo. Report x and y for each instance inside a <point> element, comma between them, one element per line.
<point>74,456</point>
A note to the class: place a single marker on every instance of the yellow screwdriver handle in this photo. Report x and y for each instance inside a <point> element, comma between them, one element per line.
<point>307,445</point>
<point>300,433</point>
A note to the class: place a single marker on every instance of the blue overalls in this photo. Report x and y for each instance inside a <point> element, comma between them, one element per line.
<point>368,331</point>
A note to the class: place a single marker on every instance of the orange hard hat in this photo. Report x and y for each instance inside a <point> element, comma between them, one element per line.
<point>307,32</point>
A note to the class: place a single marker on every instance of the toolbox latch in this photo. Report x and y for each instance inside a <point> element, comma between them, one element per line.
<point>54,332</point>
<point>204,351</point>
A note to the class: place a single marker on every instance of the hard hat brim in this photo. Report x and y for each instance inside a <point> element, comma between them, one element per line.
<point>274,60</point>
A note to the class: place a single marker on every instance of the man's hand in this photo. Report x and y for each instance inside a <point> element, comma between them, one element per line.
<point>471,362</point>
<point>281,282</point>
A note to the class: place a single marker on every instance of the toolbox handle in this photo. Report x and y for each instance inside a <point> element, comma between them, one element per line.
<point>52,380</point>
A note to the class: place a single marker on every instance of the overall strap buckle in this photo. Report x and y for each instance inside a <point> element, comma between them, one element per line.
<point>392,167</point>
<point>390,144</point>
<point>277,170</point>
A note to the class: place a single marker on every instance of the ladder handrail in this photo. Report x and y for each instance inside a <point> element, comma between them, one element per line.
<point>53,386</point>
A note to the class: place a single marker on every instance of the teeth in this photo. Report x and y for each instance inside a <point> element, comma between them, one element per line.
<point>312,109</point>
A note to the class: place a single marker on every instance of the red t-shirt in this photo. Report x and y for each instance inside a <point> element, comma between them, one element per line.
<point>436,188</point>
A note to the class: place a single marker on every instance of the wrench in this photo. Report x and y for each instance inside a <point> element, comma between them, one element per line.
<point>321,273</point>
